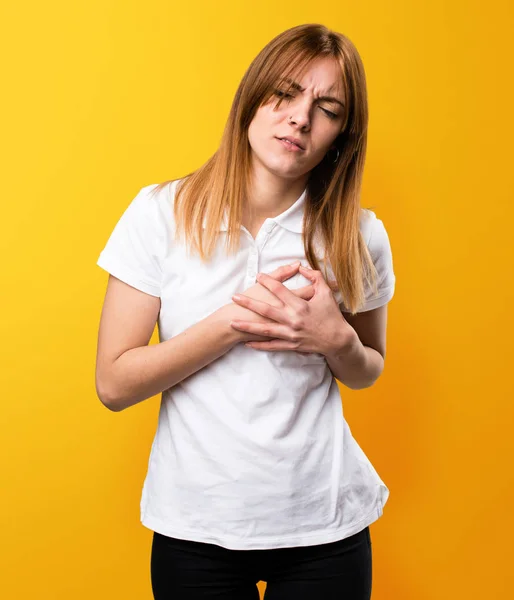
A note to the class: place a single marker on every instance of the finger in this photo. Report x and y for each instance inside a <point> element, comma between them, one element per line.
<point>306,292</point>
<point>280,291</point>
<point>285,271</point>
<point>272,345</point>
<point>271,330</point>
<point>251,337</point>
<point>261,308</point>
<point>317,278</point>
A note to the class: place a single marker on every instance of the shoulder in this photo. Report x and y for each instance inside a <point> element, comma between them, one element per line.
<point>159,198</point>
<point>161,194</point>
<point>369,224</point>
<point>368,219</point>
<point>373,231</point>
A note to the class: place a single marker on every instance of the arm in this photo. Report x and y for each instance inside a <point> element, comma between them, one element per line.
<point>356,366</point>
<point>129,371</point>
<point>141,373</point>
<point>358,362</point>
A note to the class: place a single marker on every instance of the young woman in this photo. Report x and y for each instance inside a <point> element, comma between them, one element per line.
<point>254,473</point>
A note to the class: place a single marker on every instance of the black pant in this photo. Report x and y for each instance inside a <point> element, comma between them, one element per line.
<point>188,570</point>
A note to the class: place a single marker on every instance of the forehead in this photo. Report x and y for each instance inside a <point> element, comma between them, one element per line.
<point>323,75</point>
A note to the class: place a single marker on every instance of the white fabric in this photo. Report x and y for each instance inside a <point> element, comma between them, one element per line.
<point>252,451</point>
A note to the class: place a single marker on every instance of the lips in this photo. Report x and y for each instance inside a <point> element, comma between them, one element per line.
<point>293,140</point>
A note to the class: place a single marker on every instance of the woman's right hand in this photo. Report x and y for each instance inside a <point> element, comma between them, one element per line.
<point>257,291</point>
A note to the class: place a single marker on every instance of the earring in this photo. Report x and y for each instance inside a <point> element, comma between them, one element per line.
<point>337,157</point>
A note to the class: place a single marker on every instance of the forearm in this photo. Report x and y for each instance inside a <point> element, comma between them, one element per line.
<point>141,373</point>
<point>353,364</point>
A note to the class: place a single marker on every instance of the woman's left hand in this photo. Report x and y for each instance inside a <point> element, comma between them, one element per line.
<point>315,325</point>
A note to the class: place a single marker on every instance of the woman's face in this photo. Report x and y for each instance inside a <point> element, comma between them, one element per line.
<point>315,122</point>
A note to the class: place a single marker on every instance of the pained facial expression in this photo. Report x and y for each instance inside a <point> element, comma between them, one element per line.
<point>304,116</point>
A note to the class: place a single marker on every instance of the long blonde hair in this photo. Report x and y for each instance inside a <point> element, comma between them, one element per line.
<point>332,202</point>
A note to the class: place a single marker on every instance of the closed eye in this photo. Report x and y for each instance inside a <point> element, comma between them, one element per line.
<point>329,113</point>
<point>282,94</point>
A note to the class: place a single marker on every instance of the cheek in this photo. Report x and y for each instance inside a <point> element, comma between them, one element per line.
<point>264,120</point>
<point>258,129</point>
<point>261,131</point>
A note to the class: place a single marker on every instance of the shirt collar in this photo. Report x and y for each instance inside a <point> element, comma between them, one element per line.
<point>291,219</point>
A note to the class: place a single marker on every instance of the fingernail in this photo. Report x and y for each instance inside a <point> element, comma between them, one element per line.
<point>296,264</point>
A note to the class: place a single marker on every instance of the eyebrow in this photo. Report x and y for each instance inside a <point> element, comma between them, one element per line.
<point>295,85</point>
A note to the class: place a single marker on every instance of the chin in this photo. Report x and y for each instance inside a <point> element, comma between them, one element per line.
<point>279,168</point>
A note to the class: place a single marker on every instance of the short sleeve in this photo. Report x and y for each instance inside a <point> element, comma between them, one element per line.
<point>133,251</point>
<point>380,250</point>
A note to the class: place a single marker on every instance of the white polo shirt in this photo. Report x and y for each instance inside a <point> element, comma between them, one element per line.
<point>252,451</point>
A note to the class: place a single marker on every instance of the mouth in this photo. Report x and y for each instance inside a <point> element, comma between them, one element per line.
<point>291,145</point>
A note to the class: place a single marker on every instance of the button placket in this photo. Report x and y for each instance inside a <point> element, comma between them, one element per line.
<point>253,262</point>
<point>256,247</point>
<point>264,234</point>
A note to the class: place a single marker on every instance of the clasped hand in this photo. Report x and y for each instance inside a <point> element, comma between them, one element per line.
<point>307,319</point>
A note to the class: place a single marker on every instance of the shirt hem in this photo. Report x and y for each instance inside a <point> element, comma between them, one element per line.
<point>235,543</point>
<point>110,264</point>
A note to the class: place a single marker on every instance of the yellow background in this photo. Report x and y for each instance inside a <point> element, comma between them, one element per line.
<point>102,98</point>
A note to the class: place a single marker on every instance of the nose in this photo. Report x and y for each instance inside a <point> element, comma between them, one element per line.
<point>301,116</point>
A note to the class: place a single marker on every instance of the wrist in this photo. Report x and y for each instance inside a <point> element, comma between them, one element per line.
<point>223,317</point>
<point>344,343</point>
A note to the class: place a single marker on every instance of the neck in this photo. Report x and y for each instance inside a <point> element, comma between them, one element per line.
<point>271,195</point>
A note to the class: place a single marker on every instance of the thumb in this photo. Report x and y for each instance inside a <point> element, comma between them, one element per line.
<point>311,276</point>
<point>306,292</point>
<point>285,271</point>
